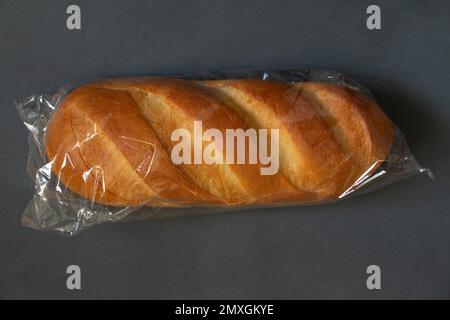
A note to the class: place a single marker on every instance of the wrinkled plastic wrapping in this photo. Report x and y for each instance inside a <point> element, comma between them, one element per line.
<point>56,207</point>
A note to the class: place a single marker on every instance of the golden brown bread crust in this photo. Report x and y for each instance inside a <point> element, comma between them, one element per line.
<point>310,157</point>
<point>360,126</point>
<point>110,141</point>
<point>104,150</point>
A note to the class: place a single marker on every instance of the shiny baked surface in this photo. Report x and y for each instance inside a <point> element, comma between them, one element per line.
<point>110,141</point>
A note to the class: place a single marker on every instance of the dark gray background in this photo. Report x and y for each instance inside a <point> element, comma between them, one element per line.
<point>284,253</point>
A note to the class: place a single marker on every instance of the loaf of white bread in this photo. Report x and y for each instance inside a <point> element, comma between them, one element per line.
<point>110,141</point>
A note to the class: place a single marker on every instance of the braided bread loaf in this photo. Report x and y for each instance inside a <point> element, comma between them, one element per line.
<point>111,141</point>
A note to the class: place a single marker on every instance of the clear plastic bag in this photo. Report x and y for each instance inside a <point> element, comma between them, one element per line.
<point>83,179</point>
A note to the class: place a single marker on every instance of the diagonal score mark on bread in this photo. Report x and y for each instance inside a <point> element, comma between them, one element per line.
<point>351,116</point>
<point>110,135</point>
<point>319,159</point>
<point>92,130</point>
<point>68,164</point>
